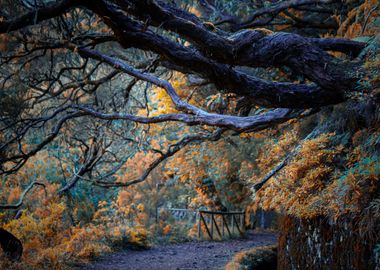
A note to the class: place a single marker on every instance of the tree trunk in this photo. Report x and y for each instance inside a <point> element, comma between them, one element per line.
<point>11,246</point>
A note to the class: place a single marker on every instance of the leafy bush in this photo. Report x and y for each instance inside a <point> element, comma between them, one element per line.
<point>258,258</point>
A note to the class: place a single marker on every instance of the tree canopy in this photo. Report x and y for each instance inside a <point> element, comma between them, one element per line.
<point>67,65</point>
<point>114,111</point>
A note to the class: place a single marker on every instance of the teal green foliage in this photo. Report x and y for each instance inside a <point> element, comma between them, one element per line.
<point>377,251</point>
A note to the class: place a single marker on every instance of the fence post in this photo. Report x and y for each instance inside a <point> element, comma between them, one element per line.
<point>237,225</point>
<point>216,226</point>
<point>222,221</point>
<point>242,215</point>
<point>205,224</point>
<point>232,223</point>
<point>199,225</point>
<point>226,223</point>
<point>212,225</point>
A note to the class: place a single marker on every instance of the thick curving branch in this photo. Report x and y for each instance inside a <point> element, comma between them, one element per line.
<point>51,10</point>
<point>255,48</point>
<point>241,124</point>
<point>21,200</point>
<point>216,53</point>
<point>193,115</point>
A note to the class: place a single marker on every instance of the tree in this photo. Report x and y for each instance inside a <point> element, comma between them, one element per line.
<point>75,70</point>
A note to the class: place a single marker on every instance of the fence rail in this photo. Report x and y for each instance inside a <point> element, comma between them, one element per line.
<point>214,223</point>
<point>228,221</point>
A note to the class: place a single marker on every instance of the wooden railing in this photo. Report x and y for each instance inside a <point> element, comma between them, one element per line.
<point>214,223</point>
<point>228,222</point>
<point>183,213</point>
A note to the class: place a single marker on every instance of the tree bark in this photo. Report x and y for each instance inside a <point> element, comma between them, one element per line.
<point>11,246</point>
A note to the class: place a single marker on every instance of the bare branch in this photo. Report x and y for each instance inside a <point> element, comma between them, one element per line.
<point>21,200</point>
<point>198,116</point>
<point>273,10</point>
<point>172,149</point>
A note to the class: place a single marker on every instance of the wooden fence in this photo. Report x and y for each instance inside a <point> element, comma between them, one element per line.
<point>228,222</point>
<point>214,223</point>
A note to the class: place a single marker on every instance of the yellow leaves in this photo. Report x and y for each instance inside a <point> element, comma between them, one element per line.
<point>313,184</point>
<point>354,156</point>
<point>116,232</point>
<point>138,236</point>
<point>93,250</point>
<point>317,174</point>
<point>195,11</point>
<point>42,234</point>
<point>100,214</point>
<point>354,30</point>
<point>24,227</point>
<point>269,157</point>
<point>184,177</point>
<point>161,102</point>
<point>140,207</point>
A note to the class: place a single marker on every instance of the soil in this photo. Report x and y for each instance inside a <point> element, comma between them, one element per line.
<point>204,255</point>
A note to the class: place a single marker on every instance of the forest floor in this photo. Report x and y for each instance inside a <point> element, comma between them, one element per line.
<point>190,255</point>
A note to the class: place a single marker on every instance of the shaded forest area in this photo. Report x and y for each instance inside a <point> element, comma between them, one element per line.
<point>115,112</point>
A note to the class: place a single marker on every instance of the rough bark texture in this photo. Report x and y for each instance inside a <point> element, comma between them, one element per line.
<point>319,244</point>
<point>214,53</point>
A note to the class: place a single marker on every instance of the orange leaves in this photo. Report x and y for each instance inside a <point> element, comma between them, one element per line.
<point>358,18</point>
<point>328,176</point>
<point>4,42</point>
<point>167,229</point>
<point>301,182</point>
<point>41,233</point>
<point>138,236</point>
<point>14,194</point>
<point>124,197</point>
<point>85,242</point>
<point>273,151</point>
<point>140,207</point>
<point>93,250</point>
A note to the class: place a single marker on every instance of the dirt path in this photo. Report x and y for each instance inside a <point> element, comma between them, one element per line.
<point>191,255</point>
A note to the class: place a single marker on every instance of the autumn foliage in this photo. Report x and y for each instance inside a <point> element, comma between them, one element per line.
<point>332,175</point>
